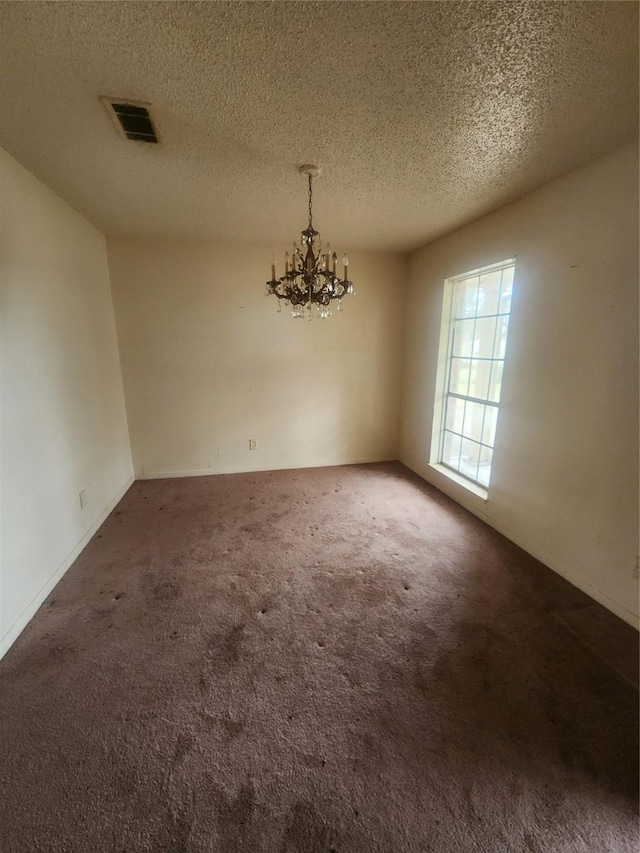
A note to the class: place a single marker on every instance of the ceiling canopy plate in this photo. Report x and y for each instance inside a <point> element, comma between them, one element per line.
<point>309,169</point>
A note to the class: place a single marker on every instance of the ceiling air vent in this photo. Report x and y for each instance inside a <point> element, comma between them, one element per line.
<point>132,119</point>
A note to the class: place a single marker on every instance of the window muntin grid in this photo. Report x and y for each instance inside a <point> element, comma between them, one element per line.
<point>480,308</point>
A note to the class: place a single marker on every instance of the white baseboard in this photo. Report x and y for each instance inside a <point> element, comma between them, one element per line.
<point>241,469</point>
<point>451,490</point>
<point>30,610</point>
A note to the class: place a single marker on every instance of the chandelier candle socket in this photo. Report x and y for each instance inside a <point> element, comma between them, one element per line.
<point>310,274</point>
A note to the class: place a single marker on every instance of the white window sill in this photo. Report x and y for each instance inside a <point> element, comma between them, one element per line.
<point>474,488</point>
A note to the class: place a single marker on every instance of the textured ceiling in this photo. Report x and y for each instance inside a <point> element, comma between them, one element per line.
<point>423,115</point>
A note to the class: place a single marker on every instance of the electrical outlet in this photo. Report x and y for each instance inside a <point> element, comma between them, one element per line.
<point>83,498</point>
<point>636,569</point>
<point>253,444</point>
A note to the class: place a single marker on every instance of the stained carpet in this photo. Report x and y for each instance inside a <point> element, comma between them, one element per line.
<point>336,659</point>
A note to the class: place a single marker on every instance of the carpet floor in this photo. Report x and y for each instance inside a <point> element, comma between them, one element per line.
<point>337,659</point>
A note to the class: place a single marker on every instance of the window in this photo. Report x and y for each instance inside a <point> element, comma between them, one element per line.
<point>475,321</point>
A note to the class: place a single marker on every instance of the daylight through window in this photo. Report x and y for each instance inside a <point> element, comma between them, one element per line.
<point>477,338</point>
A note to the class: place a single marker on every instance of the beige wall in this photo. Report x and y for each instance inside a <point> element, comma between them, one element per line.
<point>565,473</point>
<point>208,363</point>
<point>63,424</point>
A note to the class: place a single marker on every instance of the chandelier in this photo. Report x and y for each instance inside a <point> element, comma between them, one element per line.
<point>310,272</point>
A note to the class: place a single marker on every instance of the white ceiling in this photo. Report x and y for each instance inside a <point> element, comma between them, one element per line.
<point>423,115</point>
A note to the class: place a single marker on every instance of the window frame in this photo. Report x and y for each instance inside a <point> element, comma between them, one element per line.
<point>443,377</point>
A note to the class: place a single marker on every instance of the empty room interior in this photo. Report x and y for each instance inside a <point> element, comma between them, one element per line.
<point>319,427</point>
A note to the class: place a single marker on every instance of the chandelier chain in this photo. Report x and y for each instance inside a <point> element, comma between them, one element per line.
<point>310,200</point>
